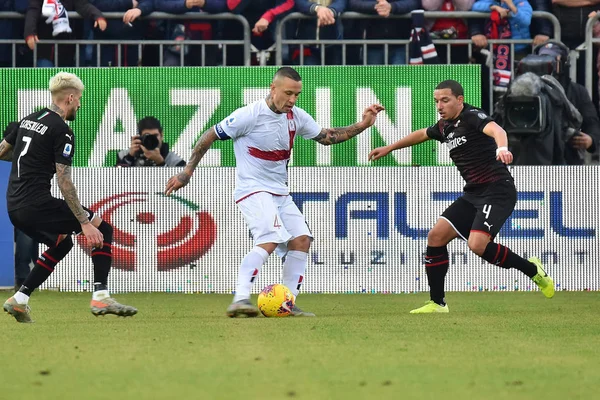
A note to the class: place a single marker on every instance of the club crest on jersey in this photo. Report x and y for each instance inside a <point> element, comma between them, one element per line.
<point>67,150</point>
<point>291,125</point>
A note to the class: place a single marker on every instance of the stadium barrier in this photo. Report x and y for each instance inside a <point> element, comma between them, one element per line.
<point>194,16</point>
<point>370,227</point>
<point>189,100</point>
<point>281,41</point>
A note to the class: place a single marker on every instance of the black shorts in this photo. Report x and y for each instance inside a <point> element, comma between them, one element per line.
<point>483,212</point>
<point>44,223</point>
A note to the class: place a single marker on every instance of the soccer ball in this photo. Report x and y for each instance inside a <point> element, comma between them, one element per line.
<point>276,301</point>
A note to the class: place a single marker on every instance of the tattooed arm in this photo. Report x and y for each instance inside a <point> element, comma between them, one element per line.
<point>6,151</point>
<point>338,135</point>
<point>69,192</point>
<point>329,136</point>
<point>183,178</point>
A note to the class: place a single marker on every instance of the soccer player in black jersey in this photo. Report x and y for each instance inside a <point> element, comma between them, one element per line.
<point>44,145</point>
<point>479,148</point>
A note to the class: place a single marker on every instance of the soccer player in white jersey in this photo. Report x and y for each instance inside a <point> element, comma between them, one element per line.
<point>263,135</point>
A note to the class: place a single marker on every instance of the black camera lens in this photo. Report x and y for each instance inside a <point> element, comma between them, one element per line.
<point>149,141</point>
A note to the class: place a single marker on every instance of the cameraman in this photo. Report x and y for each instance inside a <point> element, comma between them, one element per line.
<point>589,137</point>
<point>148,149</point>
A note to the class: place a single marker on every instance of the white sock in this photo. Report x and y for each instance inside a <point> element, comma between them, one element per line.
<point>99,295</point>
<point>21,298</point>
<point>293,270</point>
<point>249,271</point>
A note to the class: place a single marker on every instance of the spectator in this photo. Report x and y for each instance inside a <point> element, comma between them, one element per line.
<point>385,29</point>
<point>148,148</point>
<point>57,26</point>
<point>514,23</point>
<point>7,31</point>
<point>518,16</point>
<point>129,28</point>
<point>573,16</point>
<point>327,26</point>
<point>541,28</point>
<point>450,28</point>
<point>190,29</point>
<point>262,17</point>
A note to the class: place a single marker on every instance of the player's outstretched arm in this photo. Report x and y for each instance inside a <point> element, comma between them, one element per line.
<point>183,178</point>
<point>69,192</point>
<point>331,136</point>
<point>411,139</point>
<point>6,151</point>
<point>499,134</point>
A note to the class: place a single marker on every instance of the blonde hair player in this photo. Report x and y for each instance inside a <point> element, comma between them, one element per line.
<point>42,146</point>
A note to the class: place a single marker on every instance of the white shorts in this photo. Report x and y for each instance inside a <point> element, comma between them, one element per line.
<point>273,219</point>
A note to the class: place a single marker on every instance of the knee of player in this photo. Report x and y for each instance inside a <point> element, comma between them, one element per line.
<point>477,245</point>
<point>301,243</point>
<point>66,242</point>
<point>436,238</point>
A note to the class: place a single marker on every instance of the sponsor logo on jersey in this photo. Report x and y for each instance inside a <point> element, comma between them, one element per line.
<point>454,143</point>
<point>230,121</point>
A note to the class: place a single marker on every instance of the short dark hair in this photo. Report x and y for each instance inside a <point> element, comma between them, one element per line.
<point>149,123</point>
<point>455,87</point>
<point>288,72</point>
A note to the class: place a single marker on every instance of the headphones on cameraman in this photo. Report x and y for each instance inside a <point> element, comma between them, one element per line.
<point>565,59</point>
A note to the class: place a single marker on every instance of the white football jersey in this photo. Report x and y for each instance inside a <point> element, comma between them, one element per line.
<point>262,142</point>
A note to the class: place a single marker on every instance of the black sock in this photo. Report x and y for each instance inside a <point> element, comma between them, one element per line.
<point>102,257</point>
<point>503,257</point>
<point>436,266</point>
<point>45,264</point>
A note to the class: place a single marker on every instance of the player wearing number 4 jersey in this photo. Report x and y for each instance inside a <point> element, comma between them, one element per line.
<point>44,145</point>
<point>478,147</point>
<point>263,134</point>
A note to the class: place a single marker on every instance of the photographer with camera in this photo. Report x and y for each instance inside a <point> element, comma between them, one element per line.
<point>587,139</point>
<point>148,148</point>
<point>550,119</point>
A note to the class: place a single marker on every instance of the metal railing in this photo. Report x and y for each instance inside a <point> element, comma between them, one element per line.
<point>196,16</point>
<point>302,43</point>
<point>280,41</point>
<point>588,46</point>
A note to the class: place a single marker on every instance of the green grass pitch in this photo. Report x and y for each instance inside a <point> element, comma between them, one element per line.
<point>490,346</point>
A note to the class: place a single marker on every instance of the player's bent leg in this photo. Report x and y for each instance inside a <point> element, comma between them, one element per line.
<point>294,268</point>
<point>17,305</point>
<point>436,266</point>
<point>102,303</point>
<point>478,241</point>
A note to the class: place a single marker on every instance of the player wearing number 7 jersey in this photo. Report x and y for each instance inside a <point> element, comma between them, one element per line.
<point>42,146</point>
<point>478,147</point>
